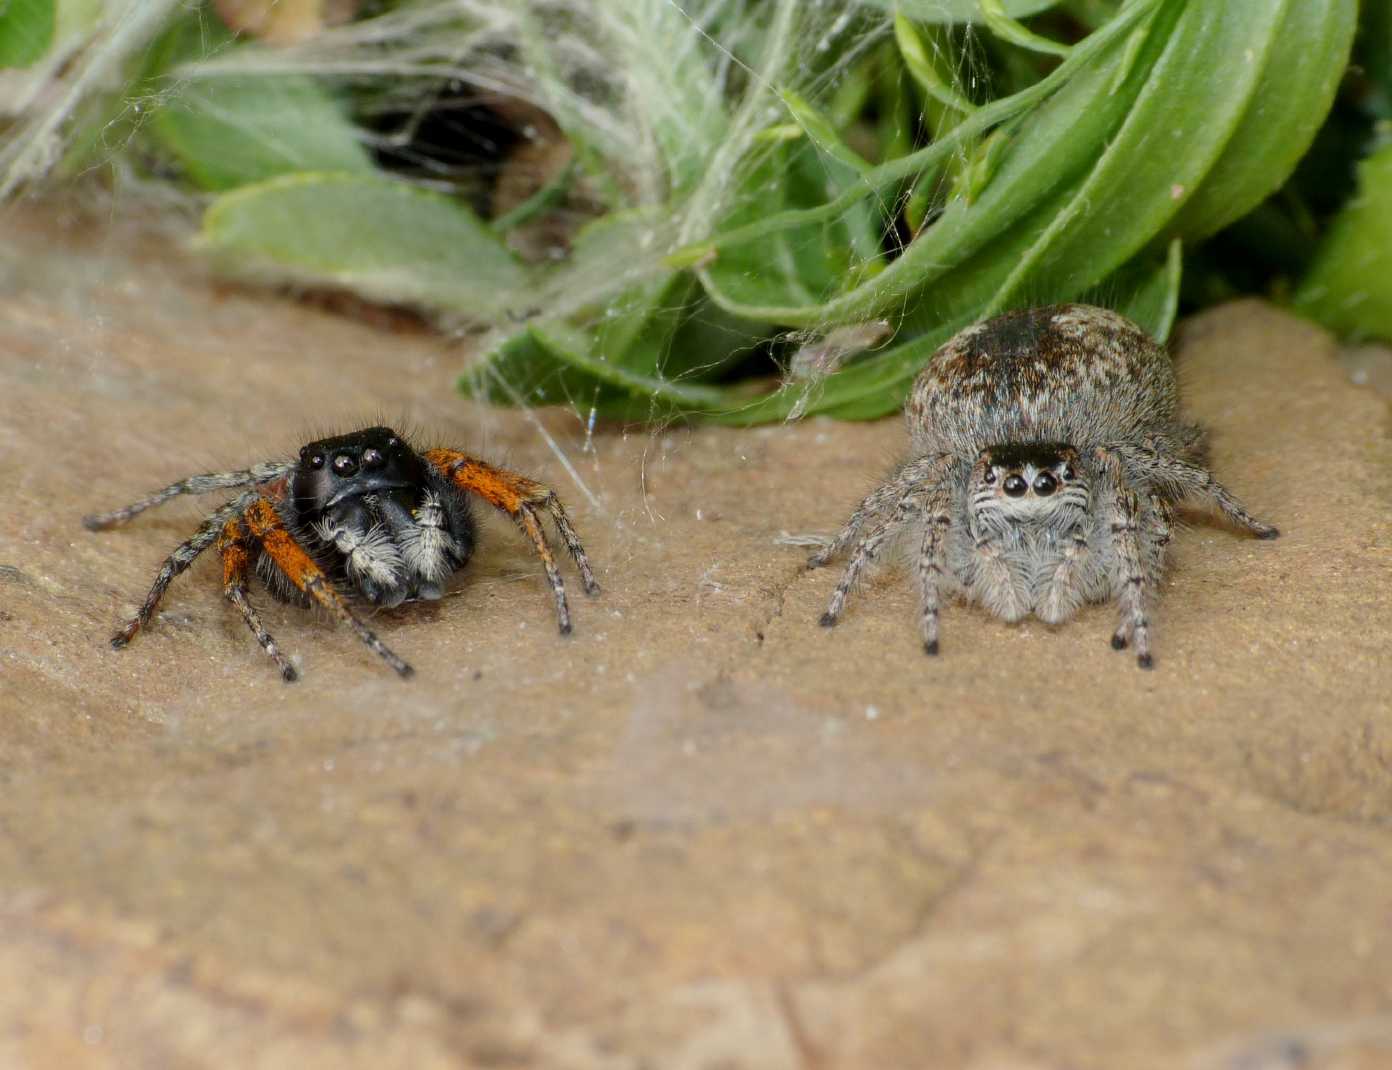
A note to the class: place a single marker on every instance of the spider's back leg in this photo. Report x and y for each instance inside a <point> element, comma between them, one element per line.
<point>521,498</point>
<point>232,545</point>
<point>1188,480</point>
<point>1133,586</point>
<point>201,484</point>
<point>179,561</point>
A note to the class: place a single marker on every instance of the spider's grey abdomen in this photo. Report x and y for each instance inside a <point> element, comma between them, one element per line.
<point>1063,373</point>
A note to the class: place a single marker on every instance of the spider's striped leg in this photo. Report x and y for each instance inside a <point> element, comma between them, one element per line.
<point>1188,480</point>
<point>876,503</point>
<point>178,562</point>
<point>932,565</point>
<point>572,541</point>
<point>266,527</point>
<point>909,507</point>
<point>232,545</point>
<point>203,484</point>
<point>1131,583</point>
<point>520,498</point>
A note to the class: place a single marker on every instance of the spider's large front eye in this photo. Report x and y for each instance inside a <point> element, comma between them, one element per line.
<point>1045,484</point>
<point>1015,485</point>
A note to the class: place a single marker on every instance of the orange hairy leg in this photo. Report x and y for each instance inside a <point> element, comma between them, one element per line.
<point>236,557</point>
<point>266,527</point>
<point>521,498</point>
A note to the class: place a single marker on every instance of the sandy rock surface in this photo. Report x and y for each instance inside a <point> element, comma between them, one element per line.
<point>702,832</point>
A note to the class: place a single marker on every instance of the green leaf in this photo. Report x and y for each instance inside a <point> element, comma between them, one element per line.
<point>1349,285</point>
<point>548,363</point>
<point>956,10</point>
<point>1305,56</point>
<point>1145,291</point>
<point>26,31</point>
<point>229,132</point>
<point>806,265</point>
<point>1194,97</point>
<point>232,130</point>
<point>1052,147</point>
<point>384,240</point>
<point>819,128</point>
<point>1001,23</point>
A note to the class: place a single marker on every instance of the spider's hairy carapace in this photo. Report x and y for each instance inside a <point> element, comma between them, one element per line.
<point>362,513</point>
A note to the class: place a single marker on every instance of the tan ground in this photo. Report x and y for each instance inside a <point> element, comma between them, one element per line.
<point>702,833</point>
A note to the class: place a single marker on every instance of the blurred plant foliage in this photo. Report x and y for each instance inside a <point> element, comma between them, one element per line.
<point>746,210</point>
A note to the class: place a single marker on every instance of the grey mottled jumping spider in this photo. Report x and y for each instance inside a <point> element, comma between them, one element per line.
<point>1046,457</point>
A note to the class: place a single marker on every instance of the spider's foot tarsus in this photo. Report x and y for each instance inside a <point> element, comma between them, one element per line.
<point>1119,641</point>
<point>120,641</point>
<point>289,674</point>
<point>828,620</point>
<point>931,647</point>
<point>564,627</point>
<point>1268,533</point>
<point>591,586</point>
<point>1145,661</point>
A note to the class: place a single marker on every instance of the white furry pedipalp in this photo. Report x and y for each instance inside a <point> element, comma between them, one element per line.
<point>370,554</point>
<point>426,545</point>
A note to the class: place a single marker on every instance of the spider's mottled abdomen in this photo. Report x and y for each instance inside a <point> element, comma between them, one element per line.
<point>1064,373</point>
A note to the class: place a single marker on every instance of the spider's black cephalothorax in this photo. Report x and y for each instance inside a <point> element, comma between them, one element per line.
<point>364,511</point>
<point>378,516</point>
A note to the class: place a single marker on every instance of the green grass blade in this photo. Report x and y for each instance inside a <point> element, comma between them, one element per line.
<point>26,31</point>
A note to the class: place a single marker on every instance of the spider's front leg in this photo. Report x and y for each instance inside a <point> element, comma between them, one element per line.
<point>932,564</point>
<point>1131,582</point>
<point>1187,480</point>
<point>236,556</point>
<point>183,556</point>
<point>200,484</point>
<point>910,506</point>
<point>877,503</point>
<point>1061,592</point>
<point>522,499</point>
<point>264,524</point>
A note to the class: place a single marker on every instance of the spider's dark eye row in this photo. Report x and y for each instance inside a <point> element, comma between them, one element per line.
<point>1015,485</point>
<point>989,478</point>
<point>315,461</point>
<point>1045,484</point>
<point>372,458</point>
<point>344,465</point>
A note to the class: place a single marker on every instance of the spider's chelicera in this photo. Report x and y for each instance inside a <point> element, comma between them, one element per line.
<point>363,512</point>
<point>1047,454</point>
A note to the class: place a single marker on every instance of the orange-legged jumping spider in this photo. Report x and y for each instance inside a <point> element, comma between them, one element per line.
<point>1046,456</point>
<point>363,511</point>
